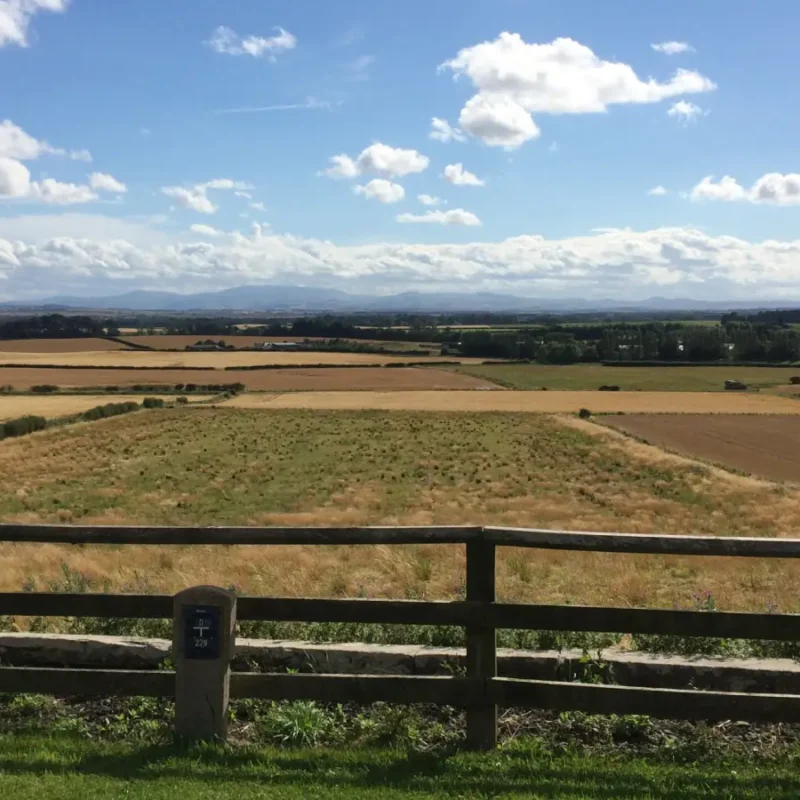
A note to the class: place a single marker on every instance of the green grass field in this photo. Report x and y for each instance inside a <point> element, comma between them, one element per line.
<point>66,768</point>
<point>654,379</point>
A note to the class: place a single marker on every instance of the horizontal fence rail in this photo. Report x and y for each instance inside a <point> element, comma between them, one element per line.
<point>480,691</point>
<point>600,619</point>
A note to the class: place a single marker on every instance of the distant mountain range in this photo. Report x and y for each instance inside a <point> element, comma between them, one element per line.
<point>309,299</point>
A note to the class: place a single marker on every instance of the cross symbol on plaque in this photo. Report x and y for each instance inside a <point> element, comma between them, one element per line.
<point>201,629</point>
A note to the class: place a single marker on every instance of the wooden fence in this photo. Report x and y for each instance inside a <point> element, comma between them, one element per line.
<point>480,691</point>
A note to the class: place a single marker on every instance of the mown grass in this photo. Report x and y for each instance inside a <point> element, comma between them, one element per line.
<point>590,377</point>
<point>287,467</point>
<point>67,767</point>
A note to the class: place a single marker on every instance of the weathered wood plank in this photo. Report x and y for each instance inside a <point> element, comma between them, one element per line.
<point>397,689</point>
<point>82,534</point>
<point>86,683</point>
<point>725,624</point>
<point>658,544</point>
<point>660,703</point>
<point>53,604</point>
<point>481,642</point>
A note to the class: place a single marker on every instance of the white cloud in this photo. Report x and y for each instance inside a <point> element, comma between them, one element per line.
<point>455,216</point>
<point>53,192</point>
<point>685,111</point>
<point>205,230</point>
<point>15,17</point>
<point>773,188</point>
<point>195,198</point>
<point>17,143</point>
<point>443,131</point>
<point>458,176</point>
<point>358,68</point>
<point>429,200</point>
<point>257,206</point>
<point>379,158</point>
<point>226,41</point>
<point>15,179</point>
<point>382,190</point>
<point>245,195</point>
<point>673,48</point>
<point>103,182</point>
<point>310,104</point>
<point>658,191</point>
<point>341,167</point>
<point>515,79</point>
<point>621,263</point>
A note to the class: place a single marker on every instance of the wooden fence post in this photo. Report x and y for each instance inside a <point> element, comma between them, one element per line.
<point>481,643</point>
<point>204,623</point>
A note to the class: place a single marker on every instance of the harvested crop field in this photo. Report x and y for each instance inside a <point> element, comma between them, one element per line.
<point>213,360</point>
<point>270,380</point>
<point>764,445</point>
<point>232,466</point>
<point>180,341</point>
<point>51,406</point>
<point>14,346</point>
<point>549,402</point>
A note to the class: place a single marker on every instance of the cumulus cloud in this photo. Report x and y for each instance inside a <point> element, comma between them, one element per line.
<point>515,79</point>
<point>429,200</point>
<point>15,178</point>
<point>773,188</point>
<point>658,191</point>
<point>53,192</point>
<point>455,216</point>
<point>257,206</point>
<point>15,18</point>
<point>195,198</point>
<point>17,143</point>
<point>103,182</point>
<point>381,190</point>
<point>378,158</point>
<point>685,112</point>
<point>226,41</point>
<point>205,230</point>
<point>672,48</point>
<point>458,176</point>
<point>623,263</point>
<point>443,131</point>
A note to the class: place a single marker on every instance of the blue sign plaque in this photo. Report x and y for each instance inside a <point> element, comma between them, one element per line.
<point>201,631</point>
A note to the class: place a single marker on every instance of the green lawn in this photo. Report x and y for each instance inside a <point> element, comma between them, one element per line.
<point>646,379</point>
<point>69,767</point>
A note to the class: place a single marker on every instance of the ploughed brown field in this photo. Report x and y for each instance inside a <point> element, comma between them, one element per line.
<point>765,445</point>
<point>272,380</point>
<point>57,346</point>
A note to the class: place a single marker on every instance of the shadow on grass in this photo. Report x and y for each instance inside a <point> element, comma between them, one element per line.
<point>495,774</point>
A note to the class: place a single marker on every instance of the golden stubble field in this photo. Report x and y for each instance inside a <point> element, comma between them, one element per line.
<point>516,401</point>
<point>212,360</point>
<point>231,466</point>
<point>51,406</point>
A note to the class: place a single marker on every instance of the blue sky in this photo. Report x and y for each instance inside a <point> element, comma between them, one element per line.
<point>564,113</point>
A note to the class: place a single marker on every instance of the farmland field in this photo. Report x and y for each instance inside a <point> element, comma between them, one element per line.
<point>653,379</point>
<point>180,341</point>
<point>237,466</point>
<point>273,380</point>
<point>57,346</point>
<point>213,360</point>
<point>51,406</point>
<point>763,445</point>
<point>549,402</point>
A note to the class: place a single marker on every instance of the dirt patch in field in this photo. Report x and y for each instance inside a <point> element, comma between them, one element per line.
<point>271,380</point>
<point>763,445</point>
<point>550,402</point>
<point>57,346</point>
<point>51,406</point>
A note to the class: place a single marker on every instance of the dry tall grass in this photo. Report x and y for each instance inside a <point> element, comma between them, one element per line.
<point>312,468</point>
<point>58,406</point>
